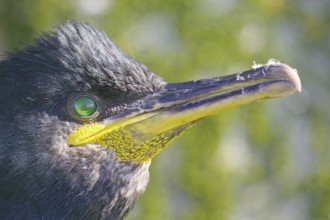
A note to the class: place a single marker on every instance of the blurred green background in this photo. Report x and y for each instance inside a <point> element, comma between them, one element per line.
<point>266,160</point>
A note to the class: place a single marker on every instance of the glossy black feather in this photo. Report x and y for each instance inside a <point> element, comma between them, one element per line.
<point>41,177</point>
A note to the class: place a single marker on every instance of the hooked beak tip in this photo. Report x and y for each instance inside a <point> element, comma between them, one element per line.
<point>293,76</point>
<point>274,67</point>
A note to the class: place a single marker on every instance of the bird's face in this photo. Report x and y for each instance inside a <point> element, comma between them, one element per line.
<point>83,80</point>
<point>144,128</point>
<point>80,121</point>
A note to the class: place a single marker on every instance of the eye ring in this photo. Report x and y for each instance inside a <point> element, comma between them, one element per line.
<point>84,107</point>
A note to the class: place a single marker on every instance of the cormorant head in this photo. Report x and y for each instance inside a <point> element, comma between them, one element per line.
<point>80,122</point>
<point>78,77</point>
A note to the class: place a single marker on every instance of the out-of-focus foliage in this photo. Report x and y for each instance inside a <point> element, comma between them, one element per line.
<point>267,160</point>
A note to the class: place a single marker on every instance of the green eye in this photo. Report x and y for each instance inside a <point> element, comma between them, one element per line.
<point>83,106</point>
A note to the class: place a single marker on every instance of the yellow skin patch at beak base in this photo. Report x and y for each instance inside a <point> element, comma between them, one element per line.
<point>88,133</point>
<point>125,146</point>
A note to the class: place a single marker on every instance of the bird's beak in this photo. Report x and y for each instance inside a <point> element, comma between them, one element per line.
<point>150,123</point>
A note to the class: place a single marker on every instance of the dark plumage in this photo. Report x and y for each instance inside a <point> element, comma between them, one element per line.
<point>40,175</point>
<point>57,162</point>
